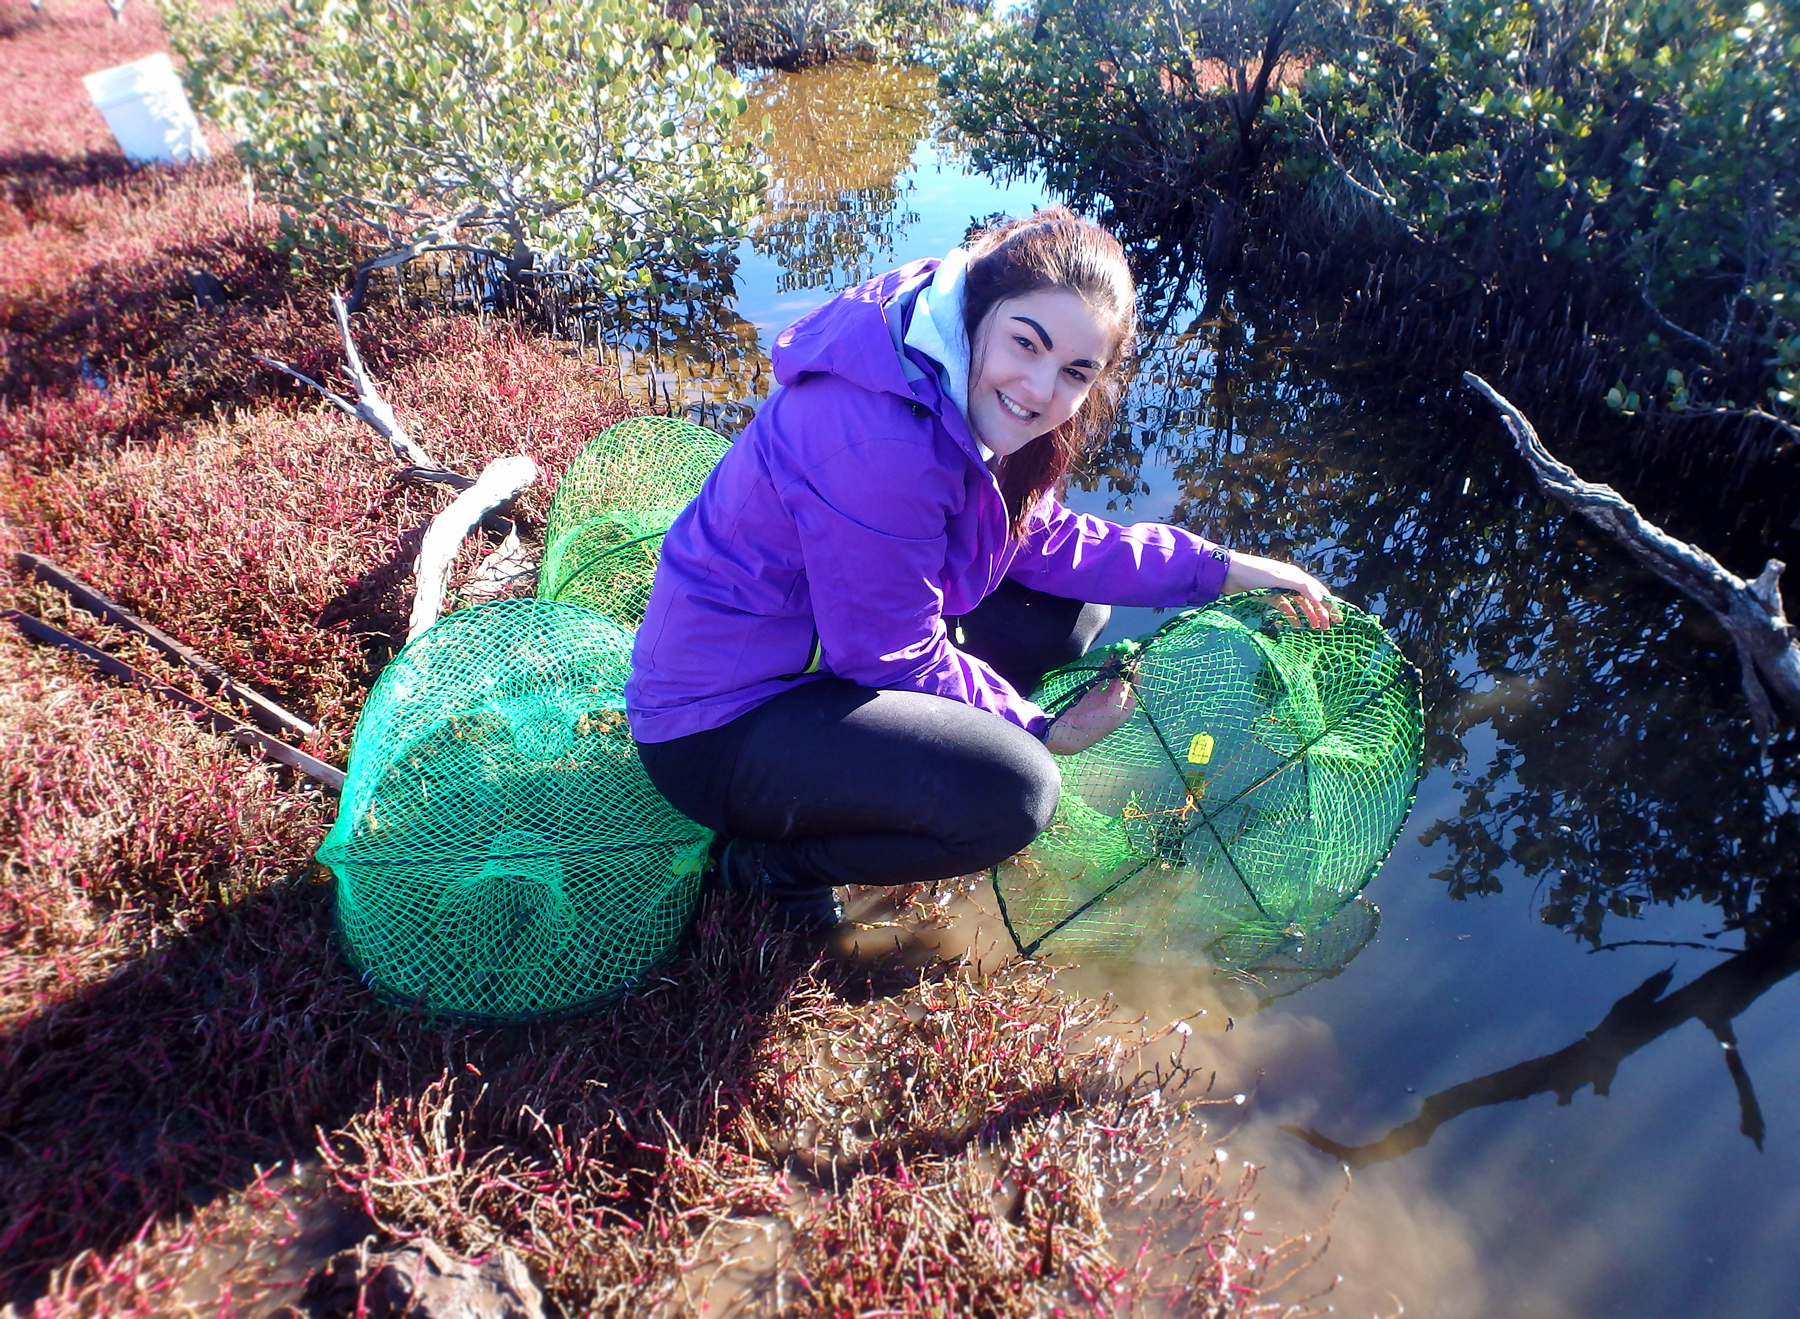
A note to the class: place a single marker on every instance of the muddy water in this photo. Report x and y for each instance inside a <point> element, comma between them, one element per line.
<point>1534,1131</point>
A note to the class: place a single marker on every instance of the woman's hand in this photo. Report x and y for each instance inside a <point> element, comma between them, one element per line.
<point>1092,718</point>
<point>1250,572</point>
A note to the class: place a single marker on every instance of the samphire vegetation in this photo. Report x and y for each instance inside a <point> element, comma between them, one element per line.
<point>1632,165</point>
<point>598,133</point>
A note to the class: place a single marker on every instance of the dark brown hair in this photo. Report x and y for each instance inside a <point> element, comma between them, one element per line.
<point>1054,249</point>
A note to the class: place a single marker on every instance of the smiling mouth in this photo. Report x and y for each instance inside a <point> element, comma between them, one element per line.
<point>1021,413</point>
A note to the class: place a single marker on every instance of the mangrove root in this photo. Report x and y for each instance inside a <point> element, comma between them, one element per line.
<point>1751,612</point>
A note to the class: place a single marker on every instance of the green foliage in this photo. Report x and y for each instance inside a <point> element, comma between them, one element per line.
<point>792,34</point>
<point>548,131</point>
<point>1637,157</point>
<point>1145,104</point>
<point>1641,153</point>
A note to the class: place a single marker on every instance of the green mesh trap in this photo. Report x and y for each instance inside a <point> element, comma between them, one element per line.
<point>1268,970</point>
<point>610,511</point>
<point>499,851</point>
<point>1259,784</point>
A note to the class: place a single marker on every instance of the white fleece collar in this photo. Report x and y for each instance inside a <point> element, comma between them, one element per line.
<point>937,331</point>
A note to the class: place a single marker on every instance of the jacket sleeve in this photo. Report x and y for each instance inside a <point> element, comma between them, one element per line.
<point>1084,557</point>
<point>872,517</point>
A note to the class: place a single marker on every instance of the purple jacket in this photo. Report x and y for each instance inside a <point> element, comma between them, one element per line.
<point>848,519</point>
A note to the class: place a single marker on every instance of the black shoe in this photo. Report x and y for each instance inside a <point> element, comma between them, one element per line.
<point>739,866</point>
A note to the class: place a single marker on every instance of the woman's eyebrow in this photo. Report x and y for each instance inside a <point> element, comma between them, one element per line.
<point>1044,334</point>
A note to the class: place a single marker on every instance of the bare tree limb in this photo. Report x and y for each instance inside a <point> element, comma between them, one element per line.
<point>1711,348</point>
<point>369,407</point>
<point>359,284</point>
<point>500,481</point>
<point>477,500</point>
<point>1751,612</point>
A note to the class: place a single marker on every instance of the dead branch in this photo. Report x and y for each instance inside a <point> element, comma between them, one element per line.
<point>369,406</point>
<point>1751,612</point>
<point>500,481</point>
<point>434,241</point>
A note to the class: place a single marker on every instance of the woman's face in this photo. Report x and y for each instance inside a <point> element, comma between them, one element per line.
<point>1032,363</point>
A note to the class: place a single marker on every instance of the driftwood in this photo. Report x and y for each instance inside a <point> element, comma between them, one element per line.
<point>216,719</point>
<point>506,565</point>
<point>261,709</point>
<point>479,502</point>
<point>1768,646</point>
<point>369,406</point>
<point>498,484</point>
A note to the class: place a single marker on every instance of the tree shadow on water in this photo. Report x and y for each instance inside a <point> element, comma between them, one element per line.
<point>245,1039</point>
<point>1715,999</point>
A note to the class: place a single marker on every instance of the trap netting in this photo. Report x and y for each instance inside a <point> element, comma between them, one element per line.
<point>1258,785</point>
<point>499,850</point>
<point>607,518</point>
<point>1268,970</point>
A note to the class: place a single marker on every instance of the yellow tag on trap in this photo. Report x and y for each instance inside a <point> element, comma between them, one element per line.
<point>1200,748</point>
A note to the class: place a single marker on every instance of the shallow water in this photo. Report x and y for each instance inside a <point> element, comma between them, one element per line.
<point>1591,772</point>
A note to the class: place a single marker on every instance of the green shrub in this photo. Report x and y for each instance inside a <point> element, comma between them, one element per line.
<point>547,131</point>
<point>791,34</point>
<point>1640,153</point>
<point>1637,160</point>
<point>1151,107</point>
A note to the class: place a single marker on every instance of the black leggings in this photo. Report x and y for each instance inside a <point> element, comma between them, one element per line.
<point>856,785</point>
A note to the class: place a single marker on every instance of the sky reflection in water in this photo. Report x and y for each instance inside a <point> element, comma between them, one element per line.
<point>1590,762</point>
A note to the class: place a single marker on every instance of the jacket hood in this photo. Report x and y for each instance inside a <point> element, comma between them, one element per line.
<point>850,336</point>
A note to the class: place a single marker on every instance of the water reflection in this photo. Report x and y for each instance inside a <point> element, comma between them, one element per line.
<point>840,142</point>
<point>843,137</point>
<point>1714,999</point>
<point>1625,773</point>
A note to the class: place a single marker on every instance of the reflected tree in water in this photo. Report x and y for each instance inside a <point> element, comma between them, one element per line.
<point>684,351</point>
<point>1715,999</point>
<point>842,136</point>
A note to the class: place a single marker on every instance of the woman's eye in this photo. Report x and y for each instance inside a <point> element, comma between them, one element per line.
<point>1076,376</point>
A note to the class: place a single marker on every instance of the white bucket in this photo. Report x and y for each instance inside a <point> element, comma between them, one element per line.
<point>147,109</point>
